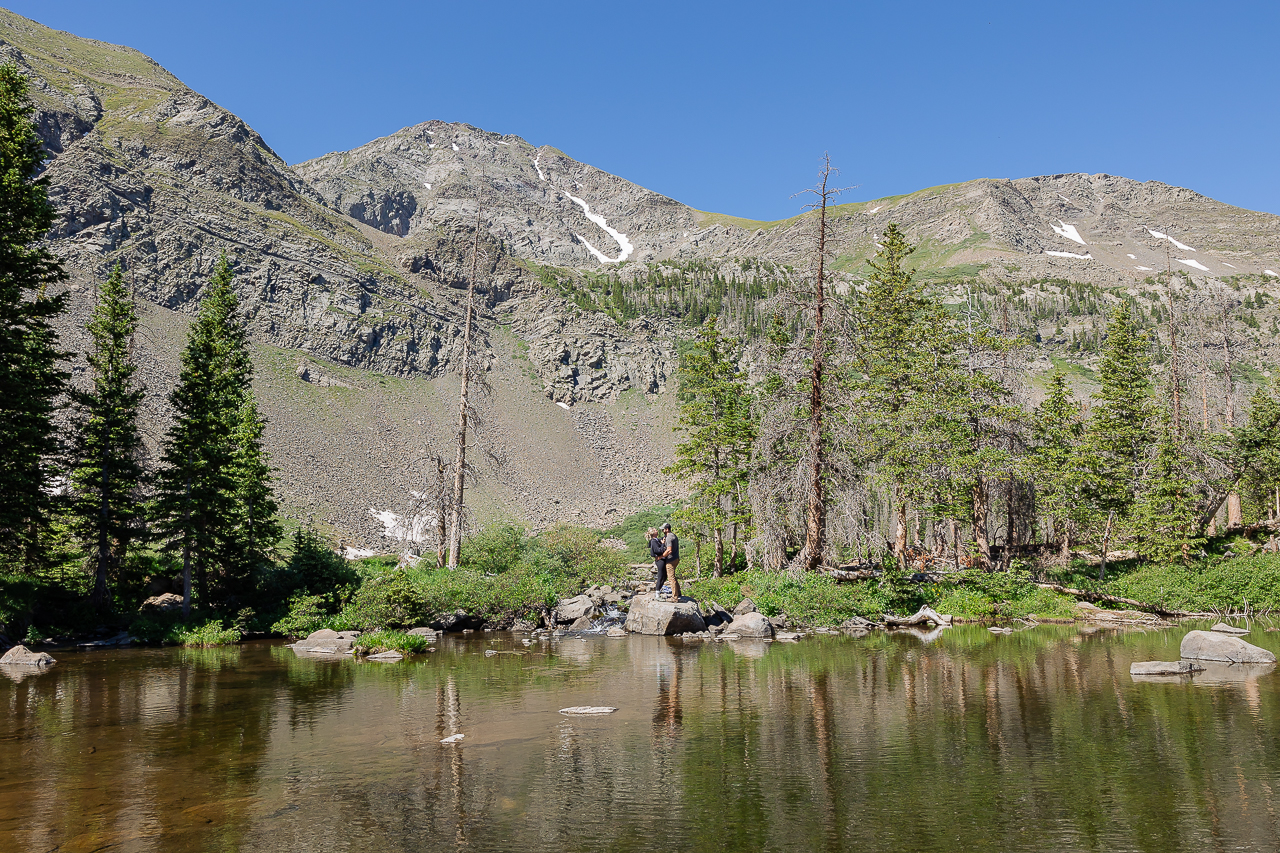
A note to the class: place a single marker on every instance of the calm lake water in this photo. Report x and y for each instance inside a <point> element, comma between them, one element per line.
<point>1034,741</point>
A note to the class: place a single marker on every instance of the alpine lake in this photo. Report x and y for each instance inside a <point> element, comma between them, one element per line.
<point>1039,740</point>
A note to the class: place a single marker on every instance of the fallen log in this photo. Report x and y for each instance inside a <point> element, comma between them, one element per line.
<point>924,616</point>
<point>1103,598</point>
<point>841,575</point>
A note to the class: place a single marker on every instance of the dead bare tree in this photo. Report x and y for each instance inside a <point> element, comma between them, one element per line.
<point>460,461</point>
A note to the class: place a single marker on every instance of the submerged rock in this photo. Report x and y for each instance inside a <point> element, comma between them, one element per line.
<point>587,710</point>
<point>389,656</point>
<point>1212,645</point>
<point>663,618</point>
<point>1164,667</point>
<point>1224,628</point>
<point>20,655</point>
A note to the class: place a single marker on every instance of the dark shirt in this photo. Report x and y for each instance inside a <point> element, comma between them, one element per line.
<point>656,548</point>
<point>672,542</point>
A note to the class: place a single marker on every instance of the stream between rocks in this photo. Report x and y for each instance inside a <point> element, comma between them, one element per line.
<point>897,741</point>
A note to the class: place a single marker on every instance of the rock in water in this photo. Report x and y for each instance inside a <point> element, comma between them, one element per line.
<point>616,631</point>
<point>663,618</point>
<point>326,641</point>
<point>750,625</point>
<point>572,609</point>
<point>1224,628</point>
<point>453,738</point>
<point>587,710</point>
<point>387,656</point>
<point>1164,667</point>
<point>1213,645</point>
<point>20,655</point>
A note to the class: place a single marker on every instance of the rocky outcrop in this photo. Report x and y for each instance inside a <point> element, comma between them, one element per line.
<point>459,620</point>
<point>162,605</point>
<point>1215,646</point>
<point>570,610</point>
<point>328,642</point>
<point>650,616</point>
<point>20,655</point>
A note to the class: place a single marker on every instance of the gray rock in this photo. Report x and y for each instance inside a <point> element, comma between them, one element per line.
<point>524,626</point>
<point>751,625</point>
<point>1164,667</point>
<point>745,606</point>
<point>389,656</point>
<point>716,615</point>
<point>459,620</point>
<point>20,655</point>
<point>582,623</point>
<point>616,631</point>
<point>572,609</point>
<point>167,604</point>
<point>429,633</point>
<point>779,621</point>
<point>1211,645</point>
<point>1224,628</point>
<point>663,618</point>
<point>328,642</point>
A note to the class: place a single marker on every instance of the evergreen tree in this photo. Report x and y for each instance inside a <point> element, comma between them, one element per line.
<point>1166,512</point>
<point>1119,435</point>
<point>1255,449</point>
<point>1057,432</point>
<point>195,510</point>
<point>107,472</point>
<point>30,378</point>
<point>256,528</point>
<point>717,421</point>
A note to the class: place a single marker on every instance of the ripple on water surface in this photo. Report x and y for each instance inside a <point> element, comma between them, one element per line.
<point>1031,741</point>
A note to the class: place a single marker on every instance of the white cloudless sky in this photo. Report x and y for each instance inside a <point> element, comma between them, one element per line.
<point>729,106</point>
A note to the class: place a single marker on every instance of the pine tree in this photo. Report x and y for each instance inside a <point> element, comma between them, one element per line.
<point>107,473</point>
<point>195,510</point>
<point>1119,434</point>
<point>256,529</point>
<point>30,378</point>
<point>1255,449</point>
<point>1166,511</point>
<point>716,419</point>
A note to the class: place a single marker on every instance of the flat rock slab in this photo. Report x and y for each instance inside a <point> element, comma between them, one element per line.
<point>388,656</point>
<point>1164,667</point>
<point>1224,628</point>
<point>20,655</point>
<point>328,642</point>
<point>1216,646</point>
<point>664,618</point>
<point>587,710</point>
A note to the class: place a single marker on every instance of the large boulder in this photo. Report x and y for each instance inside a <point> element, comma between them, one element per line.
<point>20,655</point>
<point>328,642</point>
<point>459,620</point>
<point>1211,645</point>
<point>648,615</point>
<point>750,625</point>
<point>572,609</point>
<point>162,605</point>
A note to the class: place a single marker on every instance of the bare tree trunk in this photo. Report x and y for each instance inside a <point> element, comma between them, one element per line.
<point>1106,545</point>
<point>900,534</point>
<point>1235,513</point>
<point>460,461</point>
<point>1175,379</point>
<point>955,543</point>
<point>442,506</point>
<point>980,535</point>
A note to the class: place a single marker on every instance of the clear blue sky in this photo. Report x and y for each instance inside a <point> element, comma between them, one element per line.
<point>729,106</point>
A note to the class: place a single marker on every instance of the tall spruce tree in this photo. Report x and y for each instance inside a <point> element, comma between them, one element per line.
<point>1255,450</point>
<point>1057,429</point>
<point>717,421</point>
<point>1167,509</point>
<point>1119,436</point>
<point>195,510</point>
<point>257,530</point>
<point>30,376</point>
<point>107,472</point>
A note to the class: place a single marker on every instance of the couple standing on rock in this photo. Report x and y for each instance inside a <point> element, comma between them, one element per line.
<point>665,550</point>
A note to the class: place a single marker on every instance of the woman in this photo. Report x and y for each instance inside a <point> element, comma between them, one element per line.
<point>656,549</point>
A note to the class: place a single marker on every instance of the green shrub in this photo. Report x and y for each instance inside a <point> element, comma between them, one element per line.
<point>493,550</point>
<point>387,641</point>
<point>811,599</point>
<point>1215,585</point>
<point>307,613</point>
<point>210,633</point>
<point>392,600</point>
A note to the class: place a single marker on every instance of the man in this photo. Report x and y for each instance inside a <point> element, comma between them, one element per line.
<point>656,547</point>
<point>671,559</point>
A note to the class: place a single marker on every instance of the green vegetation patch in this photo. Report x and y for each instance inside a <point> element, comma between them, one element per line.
<point>391,641</point>
<point>813,600</point>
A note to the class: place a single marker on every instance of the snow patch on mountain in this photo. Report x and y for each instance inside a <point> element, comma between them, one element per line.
<point>1085,257</point>
<point>1183,246</point>
<point>1068,231</point>
<point>1193,264</point>
<point>623,243</point>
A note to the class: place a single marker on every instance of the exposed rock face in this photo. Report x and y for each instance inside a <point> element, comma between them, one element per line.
<point>663,618</point>
<point>750,626</point>
<point>167,604</point>
<point>20,655</point>
<point>459,620</point>
<point>326,641</point>
<point>572,609</point>
<point>1214,646</point>
<point>1162,667</point>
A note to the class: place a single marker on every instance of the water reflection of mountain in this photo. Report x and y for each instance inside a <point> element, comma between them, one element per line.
<point>1030,741</point>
